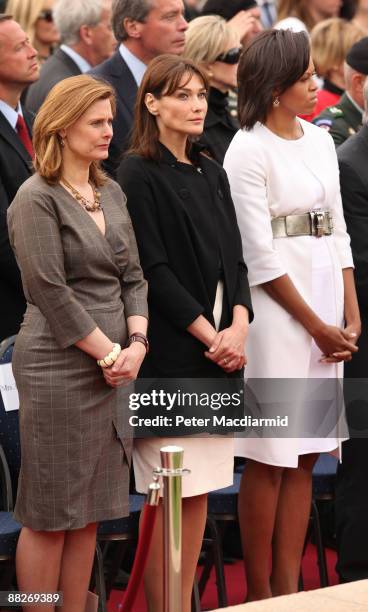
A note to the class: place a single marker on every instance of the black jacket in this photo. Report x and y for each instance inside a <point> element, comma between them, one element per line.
<point>56,68</point>
<point>15,168</point>
<point>158,202</point>
<point>219,126</point>
<point>116,72</point>
<point>353,163</point>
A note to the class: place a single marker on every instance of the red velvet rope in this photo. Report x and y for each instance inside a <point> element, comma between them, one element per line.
<point>144,541</point>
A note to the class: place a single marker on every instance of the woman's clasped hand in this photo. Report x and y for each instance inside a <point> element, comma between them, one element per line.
<point>337,344</point>
<point>126,367</point>
<point>228,348</point>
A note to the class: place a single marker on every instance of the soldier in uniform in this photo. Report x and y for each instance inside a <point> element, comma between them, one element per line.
<point>351,503</point>
<point>345,118</point>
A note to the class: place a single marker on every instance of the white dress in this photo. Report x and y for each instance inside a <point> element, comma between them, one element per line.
<point>209,459</point>
<point>278,346</point>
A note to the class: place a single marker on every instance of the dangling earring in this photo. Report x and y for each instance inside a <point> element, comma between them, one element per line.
<point>62,143</point>
<point>276,102</point>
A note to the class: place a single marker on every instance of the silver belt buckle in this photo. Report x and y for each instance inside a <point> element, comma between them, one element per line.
<point>318,218</point>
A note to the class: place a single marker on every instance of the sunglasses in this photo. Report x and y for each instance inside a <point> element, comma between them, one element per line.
<point>46,15</point>
<point>230,57</point>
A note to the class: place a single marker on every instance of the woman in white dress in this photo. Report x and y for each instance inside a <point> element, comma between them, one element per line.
<point>306,314</point>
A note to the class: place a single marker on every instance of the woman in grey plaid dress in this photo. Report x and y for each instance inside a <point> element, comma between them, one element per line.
<point>86,295</point>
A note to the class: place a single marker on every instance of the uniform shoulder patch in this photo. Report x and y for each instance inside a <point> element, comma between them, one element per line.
<point>336,112</point>
<point>324,123</point>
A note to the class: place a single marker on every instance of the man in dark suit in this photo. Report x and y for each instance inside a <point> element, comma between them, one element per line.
<point>144,29</point>
<point>86,40</point>
<point>352,478</point>
<point>18,68</point>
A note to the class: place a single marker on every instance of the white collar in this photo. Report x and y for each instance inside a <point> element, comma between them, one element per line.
<point>135,65</point>
<point>354,103</point>
<point>10,113</point>
<point>82,63</point>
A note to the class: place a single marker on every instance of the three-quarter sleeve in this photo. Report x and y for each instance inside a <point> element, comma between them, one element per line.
<point>35,238</point>
<point>133,284</point>
<point>166,293</point>
<point>242,295</point>
<point>246,166</point>
<point>342,238</point>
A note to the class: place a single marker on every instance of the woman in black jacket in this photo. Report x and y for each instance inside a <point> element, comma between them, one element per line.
<point>191,255</point>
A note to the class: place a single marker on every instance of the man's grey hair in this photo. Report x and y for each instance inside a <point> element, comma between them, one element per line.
<point>128,9</point>
<point>70,15</point>
<point>365,98</point>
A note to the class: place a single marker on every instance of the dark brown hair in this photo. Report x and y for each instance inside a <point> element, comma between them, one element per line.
<point>163,76</point>
<point>273,61</point>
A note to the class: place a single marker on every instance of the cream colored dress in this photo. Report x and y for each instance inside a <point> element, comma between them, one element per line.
<point>210,459</point>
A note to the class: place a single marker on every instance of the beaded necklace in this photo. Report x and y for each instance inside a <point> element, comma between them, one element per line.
<point>89,206</point>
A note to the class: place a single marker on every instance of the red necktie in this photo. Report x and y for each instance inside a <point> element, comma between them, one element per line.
<point>24,135</point>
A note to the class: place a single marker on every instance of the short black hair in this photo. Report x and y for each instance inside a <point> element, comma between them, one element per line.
<point>273,61</point>
<point>227,8</point>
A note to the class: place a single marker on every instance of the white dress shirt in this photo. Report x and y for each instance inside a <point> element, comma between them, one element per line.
<point>10,113</point>
<point>135,65</point>
<point>82,63</point>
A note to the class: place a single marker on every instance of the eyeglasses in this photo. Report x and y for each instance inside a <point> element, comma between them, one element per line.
<point>230,57</point>
<point>46,15</point>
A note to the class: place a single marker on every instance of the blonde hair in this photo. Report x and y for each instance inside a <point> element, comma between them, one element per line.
<point>26,13</point>
<point>331,40</point>
<point>67,101</point>
<point>295,8</point>
<point>207,37</point>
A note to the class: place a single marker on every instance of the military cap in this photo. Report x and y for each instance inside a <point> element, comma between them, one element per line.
<point>357,57</point>
<point>227,8</point>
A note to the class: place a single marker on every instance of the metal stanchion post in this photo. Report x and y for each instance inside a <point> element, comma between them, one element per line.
<point>172,472</point>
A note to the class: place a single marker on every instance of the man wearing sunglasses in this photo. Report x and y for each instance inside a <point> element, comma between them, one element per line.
<point>87,40</point>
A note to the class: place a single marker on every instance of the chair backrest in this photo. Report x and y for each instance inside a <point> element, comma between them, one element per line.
<point>9,423</point>
<point>6,493</point>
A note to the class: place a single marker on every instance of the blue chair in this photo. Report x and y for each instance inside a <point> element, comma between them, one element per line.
<point>323,488</point>
<point>222,509</point>
<point>9,528</point>
<point>324,477</point>
<point>9,424</point>
<point>122,531</point>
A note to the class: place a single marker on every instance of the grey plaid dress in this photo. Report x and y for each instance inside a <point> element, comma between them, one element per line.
<point>75,447</point>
